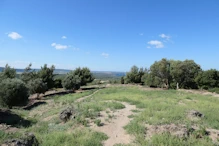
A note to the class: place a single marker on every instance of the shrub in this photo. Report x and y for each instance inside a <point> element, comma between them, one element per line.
<point>71,81</point>
<point>85,75</point>
<point>58,83</point>
<point>7,72</point>
<point>13,92</point>
<point>46,74</point>
<point>97,122</point>
<point>37,86</point>
<point>122,80</point>
<point>216,90</point>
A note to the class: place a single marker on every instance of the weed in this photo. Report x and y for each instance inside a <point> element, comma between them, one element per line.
<point>98,122</point>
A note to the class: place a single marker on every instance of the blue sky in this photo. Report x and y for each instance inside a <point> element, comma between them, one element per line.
<point>108,35</point>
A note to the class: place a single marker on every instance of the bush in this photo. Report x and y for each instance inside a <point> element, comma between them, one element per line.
<point>216,90</point>
<point>37,86</point>
<point>85,75</point>
<point>46,74</point>
<point>58,83</point>
<point>13,92</point>
<point>122,80</point>
<point>7,72</point>
<point>71,81</point>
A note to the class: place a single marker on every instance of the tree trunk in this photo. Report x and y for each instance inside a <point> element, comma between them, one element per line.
<point>177,85</point>
<point>38,95</point>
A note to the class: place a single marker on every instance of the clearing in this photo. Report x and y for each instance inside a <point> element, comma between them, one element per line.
<point>121,115</point>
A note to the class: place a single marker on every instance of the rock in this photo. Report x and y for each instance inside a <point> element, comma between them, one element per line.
<point>27,140</point>
<point>66,114</point>
<point>194,113</point>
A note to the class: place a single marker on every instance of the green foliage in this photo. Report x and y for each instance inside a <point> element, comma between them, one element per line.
<point>97,122</point>
<point>216,90</point>
<point>172,74</point>
<point>161,72</point>
<point>135,75</point>
<point>58,83</point>
<point>122,81</point>
<point>71,81</point>
<point>13,92</point>
<point>46,74</point>
<point>28,74</point>
<point>7,72</point>
<point>37,86</point>
<point>151,81</point>
<point>84,74</point>
<point>6,136</point>
<point>208,79</point>
<point>184,73</point>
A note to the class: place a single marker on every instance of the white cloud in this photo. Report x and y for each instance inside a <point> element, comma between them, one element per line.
<point>156,44</point>
<point>64,37</point>
<point>164,36</point>
<point>105,55</point>
<point>59,46</point>
<point>14,35</point>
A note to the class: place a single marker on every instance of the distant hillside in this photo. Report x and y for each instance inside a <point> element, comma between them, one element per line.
<point>57,71</point>
<point>97,74</point>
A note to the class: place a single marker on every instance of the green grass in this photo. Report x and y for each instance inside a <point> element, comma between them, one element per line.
<point>155,107</point>
<point>168,140</point>
<point>82,137</point>
<point>162,107</point>
<point>70,98</point>
<point>5,136</point>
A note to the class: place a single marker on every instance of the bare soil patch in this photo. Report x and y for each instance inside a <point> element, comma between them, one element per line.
<point>179,130</point>
<point>114,128</point>
<point>8,128</point>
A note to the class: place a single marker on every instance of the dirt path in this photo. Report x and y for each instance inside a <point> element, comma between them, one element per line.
<point>85,97</point>
<point>114,129</point>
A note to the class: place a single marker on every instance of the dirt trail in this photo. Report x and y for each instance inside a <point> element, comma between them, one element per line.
<point>85,97</point>
<point>114,129</point>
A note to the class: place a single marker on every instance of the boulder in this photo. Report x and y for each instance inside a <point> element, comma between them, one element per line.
<point>66,114</point>
<point>194,113</point>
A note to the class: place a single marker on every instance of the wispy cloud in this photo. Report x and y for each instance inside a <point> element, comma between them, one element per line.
<point>105,55</point>
<point>14,35</point>
<point>156,43</point>
<point>64,37</point>
<point>167,37</point>
<point>141,34</point>
<point>59,46</point>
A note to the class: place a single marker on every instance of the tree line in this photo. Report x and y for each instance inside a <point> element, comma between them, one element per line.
<point>15,91</point>
<point>174,74</point>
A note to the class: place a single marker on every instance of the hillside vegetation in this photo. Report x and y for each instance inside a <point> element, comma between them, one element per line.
<point>39,108</point>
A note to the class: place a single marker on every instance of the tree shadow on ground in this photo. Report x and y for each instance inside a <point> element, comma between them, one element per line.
<point>33,105</point>
<point>10,118</point>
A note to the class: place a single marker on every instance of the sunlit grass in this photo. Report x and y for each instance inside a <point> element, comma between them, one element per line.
<point>155,107</point>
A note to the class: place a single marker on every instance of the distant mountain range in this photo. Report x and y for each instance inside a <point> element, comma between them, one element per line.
<point>97,74</point>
